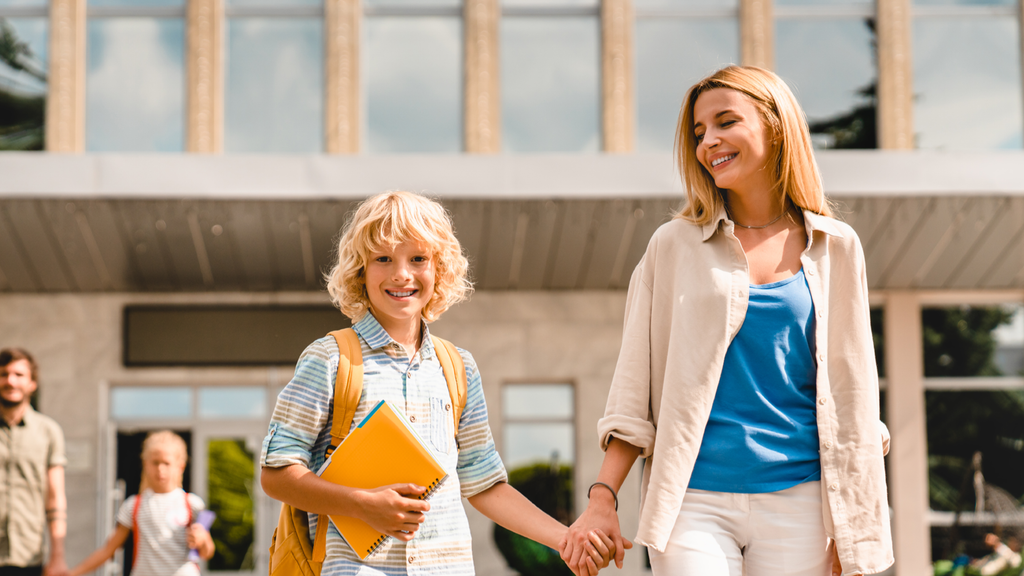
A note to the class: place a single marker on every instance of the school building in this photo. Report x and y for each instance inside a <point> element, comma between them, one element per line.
<point>176,172</point>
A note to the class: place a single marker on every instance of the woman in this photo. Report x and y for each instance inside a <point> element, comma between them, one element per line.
<point>747,376</point>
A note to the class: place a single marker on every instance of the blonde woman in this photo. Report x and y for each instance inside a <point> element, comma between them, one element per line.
<point>747,376</point>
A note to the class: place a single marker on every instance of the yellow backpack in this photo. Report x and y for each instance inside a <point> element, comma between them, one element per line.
<point>291,552</point>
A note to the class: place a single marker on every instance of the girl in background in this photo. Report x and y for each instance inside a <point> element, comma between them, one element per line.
<point>162,516</point>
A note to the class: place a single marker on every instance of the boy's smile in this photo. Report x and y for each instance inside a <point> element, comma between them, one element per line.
<point>399,284</point>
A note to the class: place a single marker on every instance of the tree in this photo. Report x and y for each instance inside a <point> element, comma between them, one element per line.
<point>961,342</point>
<point>550,488</point>
<point>858,127</point>
<point>21,114</point>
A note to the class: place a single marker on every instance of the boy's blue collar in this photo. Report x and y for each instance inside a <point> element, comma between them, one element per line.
<point>376,337</point>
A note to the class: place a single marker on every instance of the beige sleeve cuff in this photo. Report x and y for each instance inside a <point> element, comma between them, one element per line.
<point>638,432</point>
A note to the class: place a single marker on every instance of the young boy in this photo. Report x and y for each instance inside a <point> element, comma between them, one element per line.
<point>399,266</point>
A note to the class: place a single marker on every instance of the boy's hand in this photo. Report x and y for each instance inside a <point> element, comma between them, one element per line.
<point>600,548</point>
<point>394,510</point>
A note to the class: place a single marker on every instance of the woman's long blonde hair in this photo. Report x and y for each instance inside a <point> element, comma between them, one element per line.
<point>162,438</point>
<point>791,156</point>
<point>389,219</point>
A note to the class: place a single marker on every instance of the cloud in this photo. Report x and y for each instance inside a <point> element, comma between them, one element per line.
<point>413,84</point>
<point>135,85</point>
<point>550,84</point>
<point>274,94</point>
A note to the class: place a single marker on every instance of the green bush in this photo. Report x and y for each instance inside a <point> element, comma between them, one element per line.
<point>551,490</point>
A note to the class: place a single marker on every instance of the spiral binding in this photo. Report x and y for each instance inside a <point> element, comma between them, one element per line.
<point>434,487</point>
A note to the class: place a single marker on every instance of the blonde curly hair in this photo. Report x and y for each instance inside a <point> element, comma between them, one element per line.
<point>389,219</point>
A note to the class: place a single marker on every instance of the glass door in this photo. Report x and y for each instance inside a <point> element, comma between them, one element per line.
<point>223,427</point>
<point>225,474</point>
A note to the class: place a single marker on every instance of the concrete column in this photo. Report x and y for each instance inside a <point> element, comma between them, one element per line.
<point>908,459</point>
<point>1020,38</point>
<point>205,67</point>
<point>757,33</point>
<point>482,108</point>
<point>342,111</point>
<point>617,79</point>
<point>65,101</point>
<point>895,76</point>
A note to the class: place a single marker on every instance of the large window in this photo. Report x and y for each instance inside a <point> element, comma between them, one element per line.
<point>135,76</point>
<point>824,50</point>
<point>678,42</point>
<point>967,75</point>
<point>413,88</point>
<point>539,452</point>
<point>550,81</point>
<point>274,85</point>
<point>23,71</point>
<point>973,363</point>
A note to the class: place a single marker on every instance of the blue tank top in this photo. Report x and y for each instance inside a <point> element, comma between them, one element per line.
<point>762,435</point>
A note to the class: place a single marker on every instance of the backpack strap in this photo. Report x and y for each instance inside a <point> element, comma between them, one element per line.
<point>454,374</point>
<point>135,528</point>
<point>348,386</point>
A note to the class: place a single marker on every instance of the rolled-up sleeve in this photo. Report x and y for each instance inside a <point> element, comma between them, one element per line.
<point>302,411</point>
<point>480,465</point>
<point>627,415</point>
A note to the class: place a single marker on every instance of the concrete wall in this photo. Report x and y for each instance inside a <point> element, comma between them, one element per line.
<point>515,337</point>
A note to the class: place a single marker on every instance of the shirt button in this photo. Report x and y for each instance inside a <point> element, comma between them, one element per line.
<point>412,559</point>
<point>821,314</point>
<point>828,444</point>
<point>447,407</point>
<point>834,486</point>
<point>412,418</point>
<point>822,401</point>
<point>810,272</point>
<point>821,357</point>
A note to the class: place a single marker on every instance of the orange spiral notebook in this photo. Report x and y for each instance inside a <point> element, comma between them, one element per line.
<point>383,449</point>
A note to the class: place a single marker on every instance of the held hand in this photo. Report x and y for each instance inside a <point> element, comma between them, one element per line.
<point>601,549</point>
<point>395,510</point>
<point>56,567</point>
<point>599,515</point>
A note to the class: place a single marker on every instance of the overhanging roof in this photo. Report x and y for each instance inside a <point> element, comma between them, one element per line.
<point>553,222</point>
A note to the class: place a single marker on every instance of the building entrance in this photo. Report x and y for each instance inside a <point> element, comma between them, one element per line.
<point>223,436</point>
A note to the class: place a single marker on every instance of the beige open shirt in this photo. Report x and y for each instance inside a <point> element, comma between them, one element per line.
<point>687,300</point>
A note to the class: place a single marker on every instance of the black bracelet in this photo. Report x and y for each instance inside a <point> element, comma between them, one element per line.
<point>610,489</point>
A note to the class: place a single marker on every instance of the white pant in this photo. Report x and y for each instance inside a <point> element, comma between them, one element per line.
<point>726,534</point>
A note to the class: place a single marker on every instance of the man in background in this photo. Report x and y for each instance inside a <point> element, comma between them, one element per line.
<point>32,459</point>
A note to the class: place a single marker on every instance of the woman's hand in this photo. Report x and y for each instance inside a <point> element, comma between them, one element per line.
<point>395,510</point>
<point>599,519</point>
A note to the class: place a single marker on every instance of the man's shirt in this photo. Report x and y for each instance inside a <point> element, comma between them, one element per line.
<point>300,434</point>
<point>27,452</point>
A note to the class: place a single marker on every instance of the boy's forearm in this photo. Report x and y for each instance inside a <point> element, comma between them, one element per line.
<point>298,486</point>
<point>507,507</point>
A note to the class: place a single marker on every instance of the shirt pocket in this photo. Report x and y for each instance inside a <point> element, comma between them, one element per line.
<point>441,424</point>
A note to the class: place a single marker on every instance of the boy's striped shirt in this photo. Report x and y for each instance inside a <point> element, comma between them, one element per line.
<point>300,434</point>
